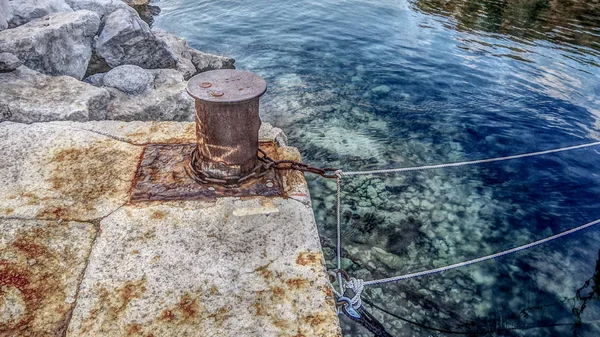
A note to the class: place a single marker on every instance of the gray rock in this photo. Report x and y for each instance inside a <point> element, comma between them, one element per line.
<point>58,44</point>
<point>24,11</point>
<point>166,100</point>
<point>189,60</point>
<point>204,62</point>
<point>96,80</point>
<point>29,96</point>
<point>347,263</point>
<point>137,2</point>
<point>5,14</point>
<point>381,90</point>
<point>126,39</point>
<point>267,131</point>
<point>9,62</point>
<point>438,216</point>
<point>102,7</point>
<point>129,79</point>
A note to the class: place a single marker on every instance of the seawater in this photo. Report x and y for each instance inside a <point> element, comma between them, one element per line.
<point>380,84</point>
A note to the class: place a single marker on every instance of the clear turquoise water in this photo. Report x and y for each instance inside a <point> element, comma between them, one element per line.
<point>378,84</point>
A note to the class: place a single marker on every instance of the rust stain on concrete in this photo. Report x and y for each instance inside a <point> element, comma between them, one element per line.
<point>309,259</point>
<point>111,304</point>
<point>164,133</point>
<point>86,175</point>
<point>29,248</point>
<point>278,291</point>
<point>296,283</point>
<point>264,271</point>
<point>34,280</point>
<point>157,215</point>
<point>81,182</point>
<point>282,296</point>
<point>167,316</point>
<point>188,306</point>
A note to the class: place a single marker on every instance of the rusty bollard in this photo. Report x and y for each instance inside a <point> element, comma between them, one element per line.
<point>227,121</point>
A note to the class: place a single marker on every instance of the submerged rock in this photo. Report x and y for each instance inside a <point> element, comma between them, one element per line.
<point>126,39</point>
<point>24,11</point>
<point>381,90</point>
<point>129,79</point>
<point>189,60</point>
<point>29,96</point>
<point>9,62</point>
<point>42,44</point>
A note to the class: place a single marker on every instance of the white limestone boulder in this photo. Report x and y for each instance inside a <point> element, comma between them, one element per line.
<point>127,39</point>
<point>24,11</point>
<point>29,96</point>
<point>166,100</point>
<point>102,7</point>
<point>57,44</point>
<point>5,14</point>
<point>129,79</point>
<point>9,62</point>
<point>189,60</point>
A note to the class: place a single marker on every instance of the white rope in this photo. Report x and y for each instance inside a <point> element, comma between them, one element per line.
<point>338,180</point>
<point>481,259</point>
<point>464,163</point>
<point>357,286</point>
<point>337,293</point>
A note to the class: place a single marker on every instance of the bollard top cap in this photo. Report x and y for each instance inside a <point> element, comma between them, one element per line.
<point>226,86</point>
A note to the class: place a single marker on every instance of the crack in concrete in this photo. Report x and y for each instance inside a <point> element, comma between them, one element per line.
<point>67,323</point>
<point>96,223</point>
<point>113,137</point>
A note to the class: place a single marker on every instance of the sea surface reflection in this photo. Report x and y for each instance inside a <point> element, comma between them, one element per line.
<point>389,83</point>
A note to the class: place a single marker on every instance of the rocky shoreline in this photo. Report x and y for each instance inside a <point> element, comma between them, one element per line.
<point>83,60</point>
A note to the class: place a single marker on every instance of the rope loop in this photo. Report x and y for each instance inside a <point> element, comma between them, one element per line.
<point>357,286</point>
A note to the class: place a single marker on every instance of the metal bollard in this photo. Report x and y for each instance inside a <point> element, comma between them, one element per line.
<point>227,121</point>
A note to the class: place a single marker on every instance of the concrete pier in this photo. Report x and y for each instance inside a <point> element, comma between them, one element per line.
<point>78,258</point>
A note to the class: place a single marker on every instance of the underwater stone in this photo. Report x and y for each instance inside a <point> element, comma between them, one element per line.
<point>346,263</point>
<point>426,205</point>
<point>381,90</point>
<point>438,216</point>
<point>452,217</point>
<point>480,278</point>
<point>390,260</point>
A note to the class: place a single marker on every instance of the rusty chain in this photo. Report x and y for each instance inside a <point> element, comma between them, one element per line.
<point>266,163</point>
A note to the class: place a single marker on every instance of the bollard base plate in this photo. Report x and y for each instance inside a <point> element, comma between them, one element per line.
<point>161,175</point>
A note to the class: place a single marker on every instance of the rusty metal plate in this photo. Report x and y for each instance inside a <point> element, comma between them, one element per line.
<point>226,86</point>
<point>163,175</point>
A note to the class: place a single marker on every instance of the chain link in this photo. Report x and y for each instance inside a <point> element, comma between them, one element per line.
<point>265,164</point>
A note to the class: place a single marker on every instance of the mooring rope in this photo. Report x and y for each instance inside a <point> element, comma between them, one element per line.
<point>357,285</point>
<point>338,180</point>
<point>464,163</point>
<point>481,259</point>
